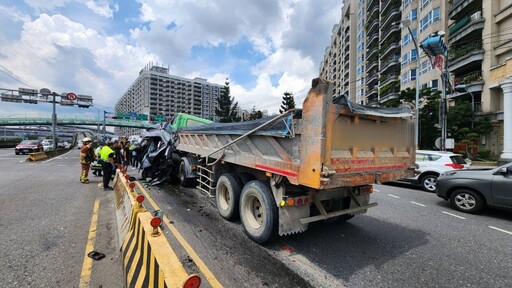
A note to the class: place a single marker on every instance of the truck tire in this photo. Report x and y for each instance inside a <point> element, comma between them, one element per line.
<point>182,174</point>
<point>245,177</point>
<point>336,205</point>
<point>227,196</point>
<point>258,212</point>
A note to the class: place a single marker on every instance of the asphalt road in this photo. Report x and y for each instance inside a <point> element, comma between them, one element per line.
<point>412,239</point>
<point>45,221</point>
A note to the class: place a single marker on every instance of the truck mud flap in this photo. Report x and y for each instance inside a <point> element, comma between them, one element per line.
<point>289,219</point>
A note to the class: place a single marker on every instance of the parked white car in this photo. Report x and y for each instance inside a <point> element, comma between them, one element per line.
<point>431,164</point>
<point>47,145</point>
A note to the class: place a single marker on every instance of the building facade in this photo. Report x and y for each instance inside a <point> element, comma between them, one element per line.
<point>479,48</point>
<point>156,92</point>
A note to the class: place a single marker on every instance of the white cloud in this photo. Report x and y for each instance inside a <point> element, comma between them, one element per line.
<point>103,7</point>
<point>65,52</point>
<point>62,55</point>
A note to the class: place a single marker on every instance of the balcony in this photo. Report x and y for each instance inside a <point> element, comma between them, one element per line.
<point>371,78</point>
<point>374,39</point>
<point>389,62</point>
<point>466,26</point>
<point>372,3</point>
<point>389,95</point>
<point>389,19</point>
<point>372,64</point>
<point>394,5</point>
<point>389,47</point>
<point>464,55</point>
<point>473,81</point>
<point>388,78</point>
<point>373,26</point>
<point>459,8</point>
<point>393,31</point>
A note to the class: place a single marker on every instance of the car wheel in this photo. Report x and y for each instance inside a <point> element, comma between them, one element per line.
<point>17,153</point>
<point>428,183</point>
<point>467,201</point>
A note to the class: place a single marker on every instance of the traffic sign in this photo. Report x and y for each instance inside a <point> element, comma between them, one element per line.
<point>71,96</point>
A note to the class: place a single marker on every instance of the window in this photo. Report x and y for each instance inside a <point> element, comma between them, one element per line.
<point>425,66</point>
<point>405,59</point>
<point>413,15</point>
<point>406,39</point>
<point>424,3</point>
<point>431,17</point>
<point>414,54</point>
<point>435,85</point>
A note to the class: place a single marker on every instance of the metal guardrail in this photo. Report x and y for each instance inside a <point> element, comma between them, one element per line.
<point>23,121</point>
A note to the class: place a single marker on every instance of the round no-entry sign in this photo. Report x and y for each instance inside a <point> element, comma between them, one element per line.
<point>71,96</point>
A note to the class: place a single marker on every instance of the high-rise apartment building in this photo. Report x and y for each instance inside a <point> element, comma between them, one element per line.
<point>480,49</point>
<point>426,17</point>
<point>339,64</point>
<point>156,92</point>
<point>479,60</point>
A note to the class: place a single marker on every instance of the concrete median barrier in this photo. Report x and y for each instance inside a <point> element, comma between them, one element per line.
<point>36,156</point>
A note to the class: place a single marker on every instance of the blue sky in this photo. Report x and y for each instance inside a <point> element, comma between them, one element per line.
<point>98,47</point>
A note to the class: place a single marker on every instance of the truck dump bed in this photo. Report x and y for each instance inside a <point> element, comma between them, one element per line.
<point>324,145</point>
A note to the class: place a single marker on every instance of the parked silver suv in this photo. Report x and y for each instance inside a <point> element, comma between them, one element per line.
<point>433,163</point>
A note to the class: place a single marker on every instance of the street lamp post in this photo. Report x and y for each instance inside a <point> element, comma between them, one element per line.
<point>407,23</point>
<point>464,89</point>
<point>54,123</point>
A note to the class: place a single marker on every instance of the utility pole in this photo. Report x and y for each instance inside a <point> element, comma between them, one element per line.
<point>434,46</point>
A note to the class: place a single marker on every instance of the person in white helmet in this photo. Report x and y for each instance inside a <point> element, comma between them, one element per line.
<point>86,158</point>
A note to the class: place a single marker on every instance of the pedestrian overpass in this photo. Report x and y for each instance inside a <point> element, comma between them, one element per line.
<point>66,120</point>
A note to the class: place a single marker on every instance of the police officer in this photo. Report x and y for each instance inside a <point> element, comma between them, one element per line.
<point>107,164</point>
<point>86,157</point>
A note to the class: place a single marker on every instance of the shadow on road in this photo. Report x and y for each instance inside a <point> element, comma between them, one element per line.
<point>345,249</point>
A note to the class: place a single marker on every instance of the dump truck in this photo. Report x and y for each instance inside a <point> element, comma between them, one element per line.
<point>318,163</point>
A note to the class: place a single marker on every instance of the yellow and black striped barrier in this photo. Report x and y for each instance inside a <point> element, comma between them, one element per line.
<point>36,156</point>
<point>148,258</point>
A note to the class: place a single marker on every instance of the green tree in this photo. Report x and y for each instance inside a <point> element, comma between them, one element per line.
<point>287,103</point>
<point>227,109</point>
<point>255,114</point>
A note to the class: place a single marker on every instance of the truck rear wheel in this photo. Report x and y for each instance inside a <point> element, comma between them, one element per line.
<point>337,205</point>
<point>227,196</point>
<point>182,173</point>
<point>258,212</point>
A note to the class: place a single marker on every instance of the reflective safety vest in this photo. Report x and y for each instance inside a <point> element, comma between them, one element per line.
<point>105,151</point>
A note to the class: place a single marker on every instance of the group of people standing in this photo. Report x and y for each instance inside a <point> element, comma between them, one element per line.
<point>110,155</point>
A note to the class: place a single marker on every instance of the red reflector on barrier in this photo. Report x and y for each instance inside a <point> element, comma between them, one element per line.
<point>140,199</point>
<point>155,222</point>
<point>192,282</point>
<point>131,185</point>
<point>299,201</point>
<point>127,177</point>
<point>306,201</point>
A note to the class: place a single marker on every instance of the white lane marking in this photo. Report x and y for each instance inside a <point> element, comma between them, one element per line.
<point>58,157</point>
<point>448,213</point>
<point>375,190</point>
<point>394,196</point>
<point>501,230</point>
<point>419,204</point>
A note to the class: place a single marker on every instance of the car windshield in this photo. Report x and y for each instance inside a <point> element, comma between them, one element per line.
<point>457,159</point>
<point>29,142</point>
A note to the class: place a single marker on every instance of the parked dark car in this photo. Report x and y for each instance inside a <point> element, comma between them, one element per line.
<point>472,190</point>
<point>28,146</point>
